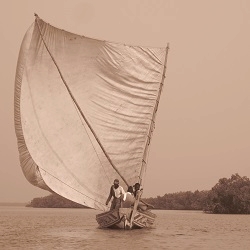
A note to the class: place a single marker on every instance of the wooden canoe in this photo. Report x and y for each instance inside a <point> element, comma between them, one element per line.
<point>120,219</point>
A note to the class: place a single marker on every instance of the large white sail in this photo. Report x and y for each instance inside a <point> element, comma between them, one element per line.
<point>116,87</point>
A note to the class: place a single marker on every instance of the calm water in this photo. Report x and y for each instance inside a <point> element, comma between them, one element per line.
<point>35,228</point>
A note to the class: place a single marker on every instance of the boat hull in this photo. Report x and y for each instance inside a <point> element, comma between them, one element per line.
<point>119,219</point>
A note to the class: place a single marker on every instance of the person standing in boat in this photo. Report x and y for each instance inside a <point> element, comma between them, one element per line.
<point>128,199</point>
<point>115,191</point>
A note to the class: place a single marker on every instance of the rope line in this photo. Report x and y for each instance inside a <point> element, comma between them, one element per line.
<point>71,187</point>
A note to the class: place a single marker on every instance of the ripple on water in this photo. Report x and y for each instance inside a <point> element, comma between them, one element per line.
<point>27,228</point>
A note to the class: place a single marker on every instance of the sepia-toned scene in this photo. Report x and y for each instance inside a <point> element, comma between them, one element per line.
<point>125,124</point>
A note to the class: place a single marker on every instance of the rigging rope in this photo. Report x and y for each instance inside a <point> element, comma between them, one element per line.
<point>72,187</point>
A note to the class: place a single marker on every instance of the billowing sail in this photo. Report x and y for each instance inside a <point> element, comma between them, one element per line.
<point>116,87</point>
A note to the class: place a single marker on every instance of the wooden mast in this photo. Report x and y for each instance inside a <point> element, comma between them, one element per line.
<point>149,138</point>
<point>151,128</point>
<point>77,105</point>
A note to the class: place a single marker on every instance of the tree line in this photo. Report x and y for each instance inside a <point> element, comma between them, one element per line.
<point>53,201</point>
<point>228,196</point>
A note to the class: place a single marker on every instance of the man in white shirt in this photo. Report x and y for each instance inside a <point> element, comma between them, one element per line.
<point>115,191</point>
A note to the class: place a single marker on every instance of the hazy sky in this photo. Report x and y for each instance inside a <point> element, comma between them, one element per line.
<point>202,126</point>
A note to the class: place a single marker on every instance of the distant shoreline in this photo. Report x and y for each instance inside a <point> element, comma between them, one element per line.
<point>13,204</point>
<point>228,196</point>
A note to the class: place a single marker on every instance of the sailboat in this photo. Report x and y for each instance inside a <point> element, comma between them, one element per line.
<point>84,115</point>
